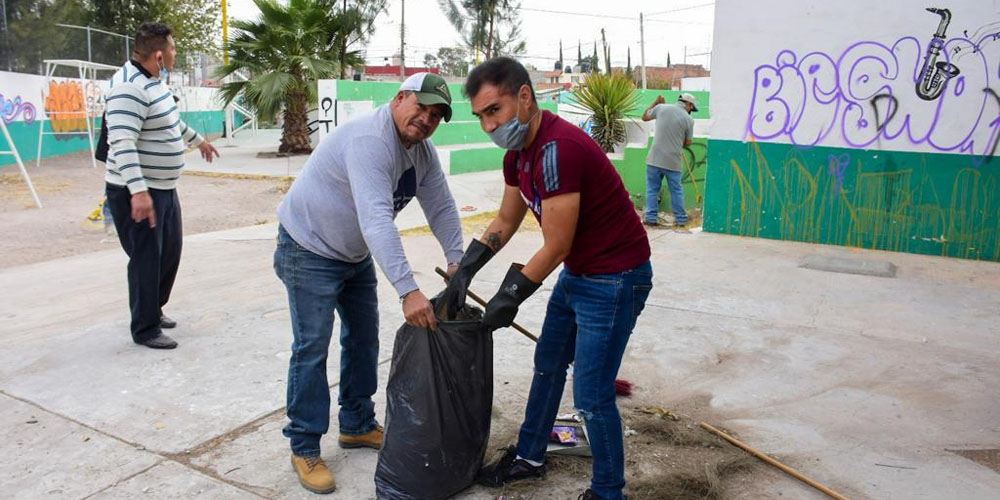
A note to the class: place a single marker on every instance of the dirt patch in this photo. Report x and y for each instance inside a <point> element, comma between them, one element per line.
<point>667,456</point>
<point>989,458</point>
<point>71,190</point>
<point>475,225</point>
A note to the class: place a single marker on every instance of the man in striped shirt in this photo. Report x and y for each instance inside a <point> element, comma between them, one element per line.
<point>147,141</point>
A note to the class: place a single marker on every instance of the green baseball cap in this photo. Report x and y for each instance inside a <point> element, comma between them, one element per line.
<point>431,89</point>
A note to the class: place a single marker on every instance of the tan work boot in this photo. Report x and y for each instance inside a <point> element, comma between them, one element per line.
<point>371,439</point>
<point>313,474</point>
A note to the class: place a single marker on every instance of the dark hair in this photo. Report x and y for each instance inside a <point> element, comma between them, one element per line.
<point>505,73</point>
<point>151,37</point>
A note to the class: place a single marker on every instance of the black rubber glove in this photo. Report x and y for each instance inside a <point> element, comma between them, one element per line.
<point>453,297</point>
<point>515,289</point>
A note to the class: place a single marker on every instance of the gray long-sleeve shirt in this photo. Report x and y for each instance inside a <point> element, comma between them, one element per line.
<point>345,201</point>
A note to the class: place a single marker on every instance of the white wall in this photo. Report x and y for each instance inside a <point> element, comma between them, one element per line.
<point>24,96</point>
<point>832,73</point>
<point>697,83</point>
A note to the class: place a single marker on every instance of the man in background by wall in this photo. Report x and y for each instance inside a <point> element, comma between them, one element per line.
<point>674,131</point>
<point>337,222</point>
<point>147,140</point>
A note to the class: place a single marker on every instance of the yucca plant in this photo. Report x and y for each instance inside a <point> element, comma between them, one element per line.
<point>610,98</point>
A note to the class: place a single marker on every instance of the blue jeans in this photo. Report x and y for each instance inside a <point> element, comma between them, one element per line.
<point>318,286</point>
<point>589,319</point>
<point>654,180</point>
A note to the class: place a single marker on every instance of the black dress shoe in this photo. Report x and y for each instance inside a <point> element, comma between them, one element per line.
<point>508,468</point>
<point>590,495</point>
<point>166,322</point>
<point>160,341</point>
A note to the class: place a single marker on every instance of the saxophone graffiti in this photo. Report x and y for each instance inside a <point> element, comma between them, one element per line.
<point>66,107</point>
<point>11,109</point>
<point>935,74</point>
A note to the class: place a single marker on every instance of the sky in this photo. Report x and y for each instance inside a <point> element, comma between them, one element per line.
<point>669,26</point>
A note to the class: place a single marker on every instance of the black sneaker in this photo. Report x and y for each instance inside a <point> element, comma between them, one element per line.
<point>508,468</point>
<point>650,224</point>
<point>160,341</point>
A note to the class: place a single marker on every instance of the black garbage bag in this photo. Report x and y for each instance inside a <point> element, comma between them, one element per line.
<point>440,398</point>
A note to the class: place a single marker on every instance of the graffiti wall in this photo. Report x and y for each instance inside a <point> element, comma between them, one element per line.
<point>28,102</point>
<point>867,124</point>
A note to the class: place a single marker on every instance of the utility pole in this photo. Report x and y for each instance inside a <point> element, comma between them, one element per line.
<point>6,38</point>
<point>225,33</point>
<point>684,68</point>
<point>642,51</point>
<point>402,38</point>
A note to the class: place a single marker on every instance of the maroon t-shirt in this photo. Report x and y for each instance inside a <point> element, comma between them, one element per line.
<point>564,159</point>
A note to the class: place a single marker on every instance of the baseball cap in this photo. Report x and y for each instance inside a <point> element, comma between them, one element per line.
<point>431,89</point>
<point>688,98</point>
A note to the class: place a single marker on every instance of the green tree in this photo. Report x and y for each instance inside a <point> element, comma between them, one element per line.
<point>454,60</point>
<point>488,27</point>
<point>195,23</point>
<point>358,18</point>
<point>559,63</point>
<point>431,61</point>
<point>282,54</point>
<point>595,62</point>
<point>32,35</point>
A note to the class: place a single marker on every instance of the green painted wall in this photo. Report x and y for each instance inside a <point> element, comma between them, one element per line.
<point>26,136</point>
<point>464,161</point>
<point>632,168</point>
<point>646,97</point>
<point>935,204</point>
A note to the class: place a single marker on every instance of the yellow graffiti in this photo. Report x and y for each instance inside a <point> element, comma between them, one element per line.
<point>66,107</point>
<point>885,210</point>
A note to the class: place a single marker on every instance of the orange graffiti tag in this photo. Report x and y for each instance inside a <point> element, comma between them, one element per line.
<point>66,107</point>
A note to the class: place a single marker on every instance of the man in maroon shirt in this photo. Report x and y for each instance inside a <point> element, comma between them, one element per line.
<point>590,226</point>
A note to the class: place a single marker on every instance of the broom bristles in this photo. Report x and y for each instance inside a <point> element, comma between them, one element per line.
<point>623,387</point>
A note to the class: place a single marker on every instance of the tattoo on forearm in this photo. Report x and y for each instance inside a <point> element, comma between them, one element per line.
<point>493,241</point>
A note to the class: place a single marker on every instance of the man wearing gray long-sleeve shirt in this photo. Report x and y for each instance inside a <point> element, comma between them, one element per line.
<point>335,221</point>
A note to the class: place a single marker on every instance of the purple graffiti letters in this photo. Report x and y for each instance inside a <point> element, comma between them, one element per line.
<point>838,165</point>
<point>865,95</point>
<point>10,109</point>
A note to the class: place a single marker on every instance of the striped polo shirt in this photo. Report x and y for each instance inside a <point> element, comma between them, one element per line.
<point>146,137</point>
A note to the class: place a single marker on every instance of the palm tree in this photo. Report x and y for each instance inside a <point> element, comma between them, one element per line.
<point>280,56</point>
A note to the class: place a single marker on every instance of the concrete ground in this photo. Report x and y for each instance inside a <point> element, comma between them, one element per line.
<point>864,383</point>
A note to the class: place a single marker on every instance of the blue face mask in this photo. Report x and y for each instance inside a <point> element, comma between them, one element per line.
<point>164,72</point>
<point>511,135</point>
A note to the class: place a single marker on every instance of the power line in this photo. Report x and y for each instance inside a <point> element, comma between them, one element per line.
<point>606,16</point>
<point>678,10</point>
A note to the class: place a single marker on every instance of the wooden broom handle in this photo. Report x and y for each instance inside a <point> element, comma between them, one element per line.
<point>786,469</point>
<point>482,302</point>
